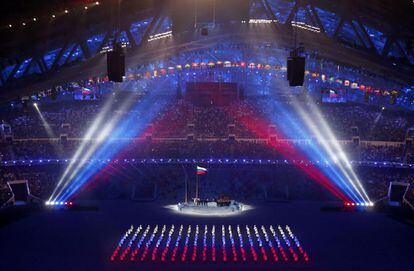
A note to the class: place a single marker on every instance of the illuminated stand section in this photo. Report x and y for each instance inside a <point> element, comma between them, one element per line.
<point>183,244</point>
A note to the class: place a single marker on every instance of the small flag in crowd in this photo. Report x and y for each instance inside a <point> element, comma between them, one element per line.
<point>201,170</point>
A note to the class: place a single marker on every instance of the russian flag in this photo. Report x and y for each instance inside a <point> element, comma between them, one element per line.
<point>201,170</point>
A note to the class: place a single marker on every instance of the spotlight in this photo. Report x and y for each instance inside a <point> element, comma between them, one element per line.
<point>23,24</point>
<point>34,19</point>
<point>66,11</point>
<point>35,104</point>
<point>53,16</point>
<point>97,3</point>
<point>47,203</point>
<point>86,7</point>
<point>348,181</point>
<point>10,26</point>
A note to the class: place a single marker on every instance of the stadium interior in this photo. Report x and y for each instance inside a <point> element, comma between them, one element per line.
<point>207,134</point>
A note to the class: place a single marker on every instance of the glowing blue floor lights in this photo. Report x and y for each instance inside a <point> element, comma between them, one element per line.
<point>167,245</point>
<point>138,245</point>
<point>186,244</point>
<point>204,253</point>
<point>121,242</point>
<point>160,239</point>
<point>177,243</point>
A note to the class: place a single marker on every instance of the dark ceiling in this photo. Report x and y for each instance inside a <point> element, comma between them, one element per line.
<point>394,18</point>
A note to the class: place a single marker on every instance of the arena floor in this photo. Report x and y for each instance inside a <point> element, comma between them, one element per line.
<point>85,240</point>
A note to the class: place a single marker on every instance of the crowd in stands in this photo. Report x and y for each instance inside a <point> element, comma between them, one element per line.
<point>369,123</point>
<point>230,148</point>
<point>212,128</point>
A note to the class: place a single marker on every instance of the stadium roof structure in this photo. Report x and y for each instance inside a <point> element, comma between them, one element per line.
<point>47,42</point>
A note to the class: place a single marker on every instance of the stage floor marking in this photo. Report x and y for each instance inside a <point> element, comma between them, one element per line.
<point>209,243</point>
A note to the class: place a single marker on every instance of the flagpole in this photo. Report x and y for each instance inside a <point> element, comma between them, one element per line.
<point>186,190</point>
<point>196,185</point>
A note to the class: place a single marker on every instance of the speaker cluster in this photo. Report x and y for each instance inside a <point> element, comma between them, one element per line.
<point>116,64</point>
<point>296,68</point>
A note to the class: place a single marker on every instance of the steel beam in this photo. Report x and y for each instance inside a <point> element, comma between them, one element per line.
<point>364,31</point>
<point>3,81</point>
<point>59,55</point>
<point>269,10</point>
<point>13,72</point>
<point>357,34</point>
<point>130,37</point>
<point>27,69</point>
<point>292,13</point>
<point>387,46</point>
<point>318,20</point>
<point>270,13</point>
<point>339,27</point>
<point>150,27</point>
<point>41,64</point>
<point>403,51</point>
<point>116,35</point>
<point>104,41</point>
<point>70,54</point>
<point>84,48</point>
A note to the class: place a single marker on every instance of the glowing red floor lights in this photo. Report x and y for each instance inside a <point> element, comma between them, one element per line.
<point>153,243</point>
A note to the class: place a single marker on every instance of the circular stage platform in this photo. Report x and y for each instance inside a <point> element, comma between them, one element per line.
<point>210,209</point>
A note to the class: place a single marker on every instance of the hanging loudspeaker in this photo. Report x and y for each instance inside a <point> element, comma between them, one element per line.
<point>116,64</point>
<point>296,71</point>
